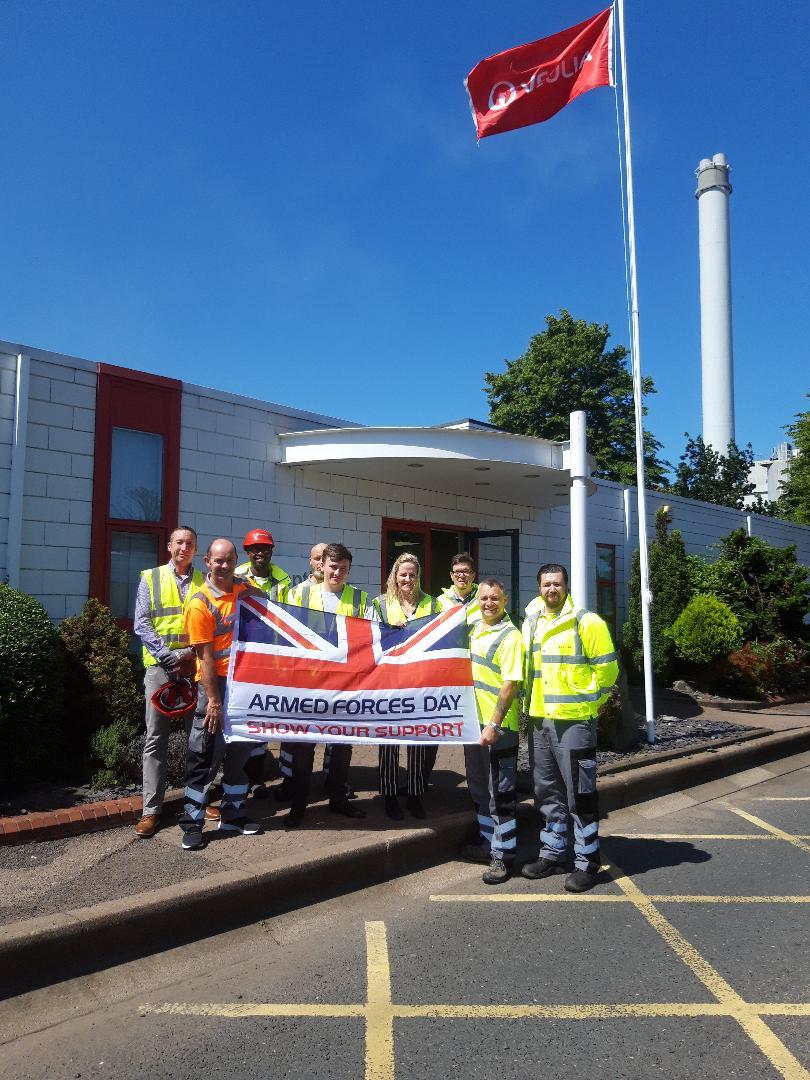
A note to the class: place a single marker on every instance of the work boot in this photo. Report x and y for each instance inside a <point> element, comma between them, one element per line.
<point>147,826</point>
<point>581,880</point>
<point>496,873</point>
<point>295,818</point>
<point>241,825</point>
<point>192,839</point>
<point>344,807</point>
<point>477,853</point>
<point>542,868</point>
<point>393,809</point>
<point>212,813</point>
<point>415,806</point>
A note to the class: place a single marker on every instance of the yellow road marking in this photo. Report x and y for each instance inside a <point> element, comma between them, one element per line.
<point>611,898</point>
<point>237,1010</point>
<point>754,1026</point>
<point>647,1010</point>
<point>781,798</point>
<point>688,836</point>
<point>379,1016</point>
<point>780,833</point>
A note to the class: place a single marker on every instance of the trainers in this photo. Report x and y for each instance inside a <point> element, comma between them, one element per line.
<point>496,873</point>
<point>581,880</point>
<point>241,825</point>
<point>542,868</point>
<point>192,839</point>
<point>478,853</point>
<point>343,806</point>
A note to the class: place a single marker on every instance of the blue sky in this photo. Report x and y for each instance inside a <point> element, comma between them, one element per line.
<point>288,201</point>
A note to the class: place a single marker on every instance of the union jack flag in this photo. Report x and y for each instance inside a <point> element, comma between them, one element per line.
<point>301,674</point>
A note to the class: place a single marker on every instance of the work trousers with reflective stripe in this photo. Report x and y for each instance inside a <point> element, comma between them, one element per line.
<point>562,756</point>
<point>414,764</point>
<point>303,755</point>
<point>203,757</point>
<point>491,782</point>
<point>156,746</point>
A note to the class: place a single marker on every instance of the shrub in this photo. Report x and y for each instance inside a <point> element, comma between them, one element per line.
<point>705,630</point>
<point>671,586</point>
<point>130,762</point>
<point>774,667</point>
<point>30,689</point>
<point>102,691</point>
<point>765,586</point>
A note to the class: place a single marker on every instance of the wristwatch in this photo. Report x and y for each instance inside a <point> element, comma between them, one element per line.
<point>495,727</point>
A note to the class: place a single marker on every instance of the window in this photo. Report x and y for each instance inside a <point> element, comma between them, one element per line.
<point>136,475</point>
<point>606,584</point>
<point>135,482</point>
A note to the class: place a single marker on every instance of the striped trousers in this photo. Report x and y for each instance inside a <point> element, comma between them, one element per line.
<point>562,757</point>
<point>491,782</point>
<point>203,756</point>
<point>389,769</point>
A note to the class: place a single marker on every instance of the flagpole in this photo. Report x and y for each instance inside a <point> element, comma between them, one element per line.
<point>635,350</point>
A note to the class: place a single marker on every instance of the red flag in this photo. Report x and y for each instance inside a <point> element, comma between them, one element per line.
<point>531,83</point>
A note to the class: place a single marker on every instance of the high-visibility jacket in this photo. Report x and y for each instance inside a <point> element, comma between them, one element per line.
<point>571,663</point>
<point>209,616</point>
<point>278,579</point>
<point>352,601</point>
<point>392,612</point>
<point>534,605</point>
<point>497,657</point>
<point>166,607</point>
<point>447,599</point>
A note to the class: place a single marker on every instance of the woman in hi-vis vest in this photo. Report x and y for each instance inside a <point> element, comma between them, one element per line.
<point>402,601</point>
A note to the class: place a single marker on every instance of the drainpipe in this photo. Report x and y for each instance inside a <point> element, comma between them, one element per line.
<point>18,449</point>
<point>579,510</point>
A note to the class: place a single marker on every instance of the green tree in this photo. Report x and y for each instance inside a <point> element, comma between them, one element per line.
<point>703,473</point>
<point>765,586</point>
<point>568,367</point>
<point>671,586</point>
<point>794,501</point>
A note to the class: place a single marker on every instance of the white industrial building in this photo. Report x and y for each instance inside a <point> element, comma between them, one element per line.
<point>769,474</point>
<point>98,463</point>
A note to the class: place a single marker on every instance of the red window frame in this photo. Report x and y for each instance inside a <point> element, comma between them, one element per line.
<point>423,527</point>
<point>140,402</point>
<point>611,620</point>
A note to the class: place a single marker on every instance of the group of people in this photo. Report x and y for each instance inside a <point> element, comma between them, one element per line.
<point>561,664</point>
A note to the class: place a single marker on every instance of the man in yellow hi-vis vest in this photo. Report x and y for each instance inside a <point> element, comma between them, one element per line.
<point>570,667</point>
<point>335,595</point>
<point>162,594</point>
<point>496,651</point>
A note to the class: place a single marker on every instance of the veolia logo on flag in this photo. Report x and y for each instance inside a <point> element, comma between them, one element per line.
<point>531,83</point>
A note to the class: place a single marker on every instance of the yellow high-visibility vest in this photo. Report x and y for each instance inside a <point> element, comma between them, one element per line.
<point>447,599</point>
<point>493,649</point>
<point>166,607</point>
<point>279,580</point>
<point>393,613</point>
<point>352,601</point>
<point>571,663</point>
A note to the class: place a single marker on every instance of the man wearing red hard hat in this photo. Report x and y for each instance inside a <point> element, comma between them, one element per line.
<point>263,574</point>
<point>259,571</point>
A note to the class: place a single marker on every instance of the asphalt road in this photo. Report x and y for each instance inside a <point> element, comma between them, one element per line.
<point>690,959</point>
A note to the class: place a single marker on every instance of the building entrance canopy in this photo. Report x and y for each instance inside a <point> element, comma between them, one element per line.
<point>478,461</point>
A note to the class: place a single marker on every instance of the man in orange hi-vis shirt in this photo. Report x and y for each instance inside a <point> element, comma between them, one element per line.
<point>209,616</point>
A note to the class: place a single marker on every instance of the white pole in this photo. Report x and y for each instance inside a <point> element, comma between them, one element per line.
<point>635,349</point>
<point>579,510</point>
<point>15,501</point>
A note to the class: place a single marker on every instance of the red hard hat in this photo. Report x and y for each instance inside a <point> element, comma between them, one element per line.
<point>175,697</point>
<point>258,536</point>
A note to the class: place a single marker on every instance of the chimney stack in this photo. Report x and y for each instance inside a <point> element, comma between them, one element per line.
<point>717,358</point>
